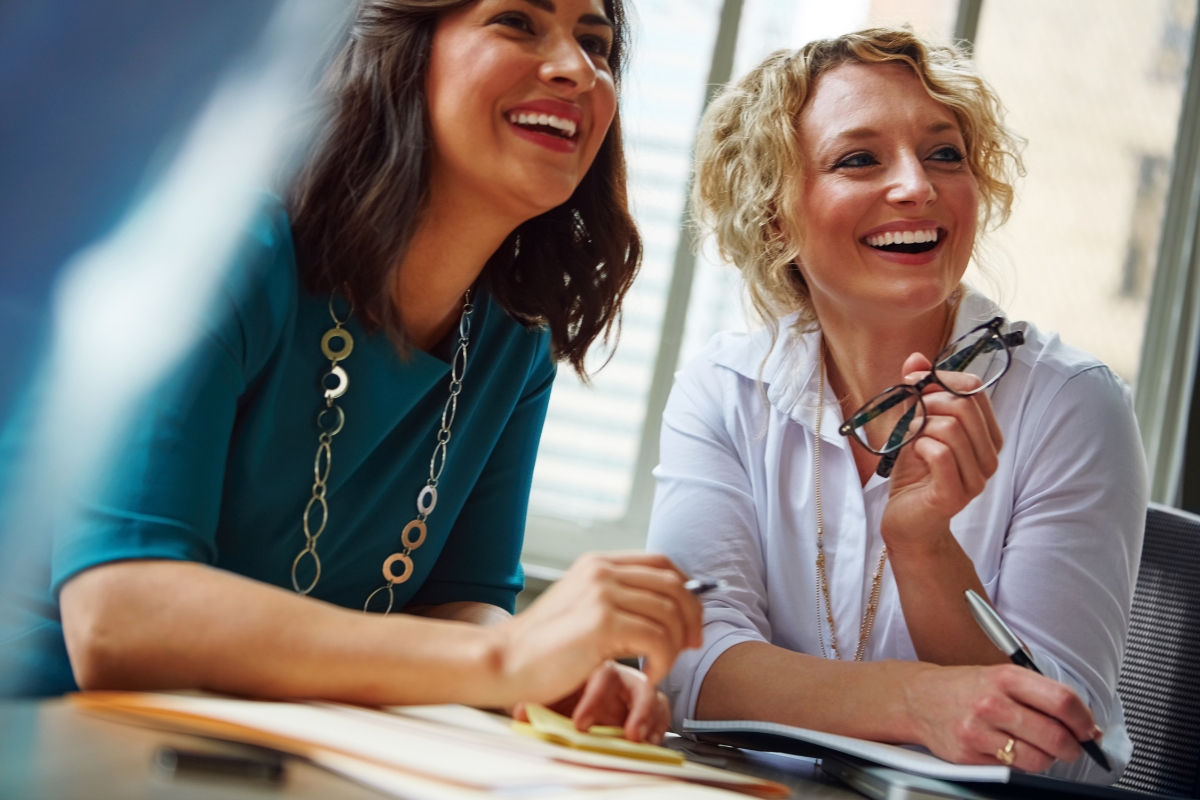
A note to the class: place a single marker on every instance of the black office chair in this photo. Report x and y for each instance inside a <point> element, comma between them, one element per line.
<point>1160,678</point>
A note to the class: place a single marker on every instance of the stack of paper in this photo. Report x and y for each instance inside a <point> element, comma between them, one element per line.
<point>426,752</point>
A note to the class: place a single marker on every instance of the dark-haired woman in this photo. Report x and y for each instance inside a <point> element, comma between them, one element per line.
<point>461,224</point>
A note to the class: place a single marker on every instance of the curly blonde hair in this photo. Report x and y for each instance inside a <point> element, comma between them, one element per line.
<point>748,157</point>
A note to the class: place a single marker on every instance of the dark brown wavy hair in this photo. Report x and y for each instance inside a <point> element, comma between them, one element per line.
<point>355,205</point>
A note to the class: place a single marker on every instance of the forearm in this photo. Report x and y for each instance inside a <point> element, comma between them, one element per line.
<point>166,625</point>
<point>755,680</point>
<point>932,581</point>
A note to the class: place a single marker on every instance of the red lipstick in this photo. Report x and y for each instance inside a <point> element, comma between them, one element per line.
<point>564,112</point>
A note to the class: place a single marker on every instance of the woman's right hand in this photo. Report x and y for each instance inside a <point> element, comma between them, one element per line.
<point>608,605</point>
<point>966,714</point>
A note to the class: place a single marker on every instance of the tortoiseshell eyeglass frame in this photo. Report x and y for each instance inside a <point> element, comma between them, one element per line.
<point>889,398</point>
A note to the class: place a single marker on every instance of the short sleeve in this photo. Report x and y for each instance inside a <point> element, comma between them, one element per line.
<point>159,493</point>
<point>481,561</point>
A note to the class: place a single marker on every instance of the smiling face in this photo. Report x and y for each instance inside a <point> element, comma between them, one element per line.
<point>888,207</point>
<point>520,98</point>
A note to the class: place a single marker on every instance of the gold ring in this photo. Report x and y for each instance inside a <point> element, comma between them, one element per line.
<point>1005,755</point>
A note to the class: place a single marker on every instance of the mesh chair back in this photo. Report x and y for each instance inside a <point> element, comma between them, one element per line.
<point>1160,677</point>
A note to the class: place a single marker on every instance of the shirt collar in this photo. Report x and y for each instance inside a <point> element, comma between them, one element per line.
<point>787,366</point>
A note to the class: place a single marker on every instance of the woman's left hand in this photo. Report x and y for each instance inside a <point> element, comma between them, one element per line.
<point>947,466</point>
<point>615,695</point>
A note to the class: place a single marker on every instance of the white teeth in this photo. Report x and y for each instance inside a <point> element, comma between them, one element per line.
<point>903,237</point>
<point>565,125</point>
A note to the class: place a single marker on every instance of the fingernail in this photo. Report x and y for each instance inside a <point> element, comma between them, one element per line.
<point>643,732</point>
<point>1097,734</point>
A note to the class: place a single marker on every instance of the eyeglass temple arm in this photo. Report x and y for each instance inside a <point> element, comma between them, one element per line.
<point>963,358</point>
<point>862,419</point>
<point>955,363</point>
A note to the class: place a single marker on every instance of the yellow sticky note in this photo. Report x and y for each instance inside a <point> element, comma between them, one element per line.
<point>553,727</point>
<point>612,731</point>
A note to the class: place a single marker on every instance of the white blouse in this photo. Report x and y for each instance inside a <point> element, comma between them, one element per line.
<point>1055,536</point>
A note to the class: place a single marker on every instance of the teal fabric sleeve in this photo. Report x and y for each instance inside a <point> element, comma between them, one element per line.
<point>160,497</point>
<point>481,561</point>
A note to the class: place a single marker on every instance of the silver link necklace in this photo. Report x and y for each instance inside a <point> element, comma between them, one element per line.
<point>428,496</point>
<point>330,421</point>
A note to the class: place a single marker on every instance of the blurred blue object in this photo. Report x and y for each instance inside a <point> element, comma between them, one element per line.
<point>94,96</point>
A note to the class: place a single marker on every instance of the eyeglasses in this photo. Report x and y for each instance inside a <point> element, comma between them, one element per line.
<point>896,416</point>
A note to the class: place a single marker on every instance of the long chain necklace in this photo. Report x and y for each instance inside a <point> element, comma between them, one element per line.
<point>427,497</point>
<point>330,421</point>
<point>868,621</point>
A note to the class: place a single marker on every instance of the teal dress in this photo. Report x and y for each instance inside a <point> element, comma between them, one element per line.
<point>217,465</point>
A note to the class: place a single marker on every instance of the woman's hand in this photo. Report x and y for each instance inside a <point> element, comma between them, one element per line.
<point>946,467</point>
<point>615,695</point>
<point>608,605</point>
<point>966,714</point>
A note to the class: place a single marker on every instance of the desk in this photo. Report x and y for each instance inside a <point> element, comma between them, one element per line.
<point>52,751</point>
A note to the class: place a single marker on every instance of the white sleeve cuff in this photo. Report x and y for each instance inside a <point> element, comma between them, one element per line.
<point>1109,716</point>
<point>682,686</point>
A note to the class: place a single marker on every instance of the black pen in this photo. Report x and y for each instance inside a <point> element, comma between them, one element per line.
<point>260,764</point>
<point>699,586</point>
<point>1011,646</point>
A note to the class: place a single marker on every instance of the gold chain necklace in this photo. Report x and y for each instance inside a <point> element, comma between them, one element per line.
<point>330,421</point>
<point>868,622</point>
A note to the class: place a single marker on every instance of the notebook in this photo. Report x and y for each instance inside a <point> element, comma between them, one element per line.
<point>778,738</point>
<point>883,771</point>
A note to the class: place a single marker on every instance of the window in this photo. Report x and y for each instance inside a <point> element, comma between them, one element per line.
<point>1094,85</point>
<point>590,443</point>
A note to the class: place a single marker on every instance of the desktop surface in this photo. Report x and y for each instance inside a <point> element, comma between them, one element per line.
<point>51,750</point>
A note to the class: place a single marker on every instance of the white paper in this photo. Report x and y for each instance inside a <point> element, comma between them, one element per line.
<point>435,752</point>
<point>411,787</point>
<point>437,758</point>
<point>471,719</point>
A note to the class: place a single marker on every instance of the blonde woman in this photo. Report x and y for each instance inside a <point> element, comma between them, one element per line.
<point>848,181</point>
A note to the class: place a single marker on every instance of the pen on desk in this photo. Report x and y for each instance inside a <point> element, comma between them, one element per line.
<point>1003,637</point>
<point>267,767</point>
<point>699,586</point>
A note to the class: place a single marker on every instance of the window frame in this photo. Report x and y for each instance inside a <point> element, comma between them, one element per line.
<point>1167,367</point>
